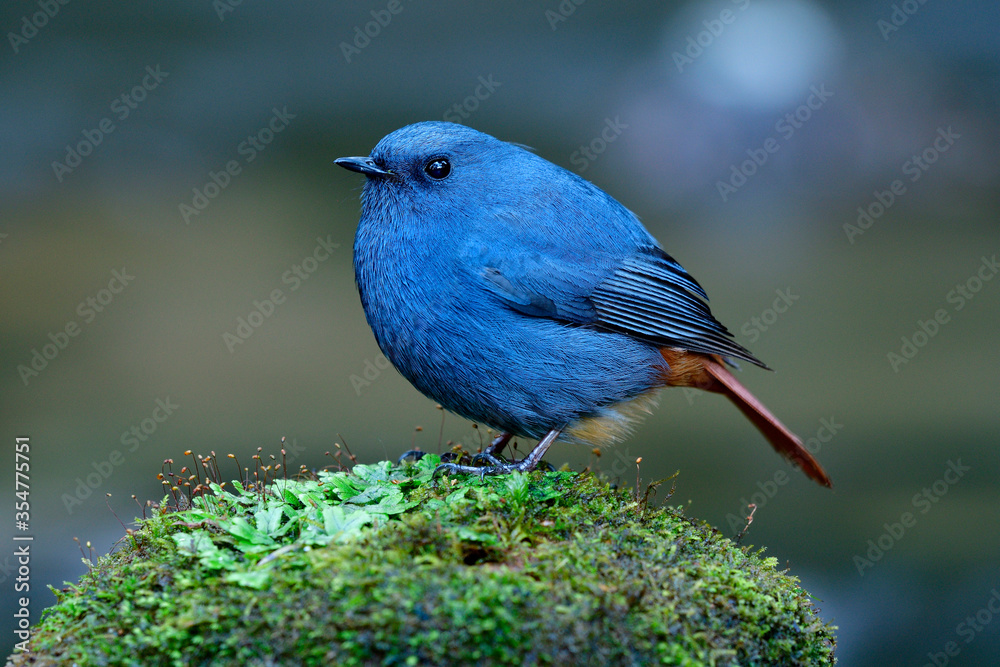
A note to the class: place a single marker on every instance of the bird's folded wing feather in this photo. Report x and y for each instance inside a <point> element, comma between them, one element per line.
<point>647,295</point>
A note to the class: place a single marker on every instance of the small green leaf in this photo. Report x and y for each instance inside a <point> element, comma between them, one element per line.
<point>341,523</point>
<point>256,579</point>
<point>269,520</point>
<point>377,472</point>
<point>343,485</point>
<point>246,535</point>
<point>375,492</point>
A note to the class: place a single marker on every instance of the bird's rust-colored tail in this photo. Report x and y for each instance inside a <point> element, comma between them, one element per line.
<point>688,369</point>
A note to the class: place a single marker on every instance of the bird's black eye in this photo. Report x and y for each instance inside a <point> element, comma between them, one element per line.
<point>438,168</point>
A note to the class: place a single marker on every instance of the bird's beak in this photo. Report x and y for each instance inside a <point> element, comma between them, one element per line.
<point>362,165</point>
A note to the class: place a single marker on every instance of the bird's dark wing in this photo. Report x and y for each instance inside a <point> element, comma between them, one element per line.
<point>651,296</point>
<point>647,295</point>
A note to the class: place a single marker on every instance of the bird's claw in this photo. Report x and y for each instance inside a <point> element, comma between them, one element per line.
<point>412,454</point>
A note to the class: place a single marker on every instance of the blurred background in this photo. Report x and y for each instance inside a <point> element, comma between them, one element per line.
<point>828,171</point>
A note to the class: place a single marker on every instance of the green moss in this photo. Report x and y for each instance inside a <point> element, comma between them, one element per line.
<point>385,565</point>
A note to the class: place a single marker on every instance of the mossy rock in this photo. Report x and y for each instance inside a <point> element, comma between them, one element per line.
<point>386,565</point>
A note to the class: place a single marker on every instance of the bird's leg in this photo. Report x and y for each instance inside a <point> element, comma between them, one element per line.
<point>492,451</point>
<point>526,464</point>
<point>534,457</point>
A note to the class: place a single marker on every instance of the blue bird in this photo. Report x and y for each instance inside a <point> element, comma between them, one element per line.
<point>520,296</point>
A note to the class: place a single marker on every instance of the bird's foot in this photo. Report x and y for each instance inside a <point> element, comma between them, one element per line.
<point>482,471</point>
<point>496,467</point>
